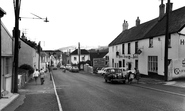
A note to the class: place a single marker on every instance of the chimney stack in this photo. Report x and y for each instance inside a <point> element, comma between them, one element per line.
<point>125,25</point>
<point>171,6</point>
<point>137,21</point>
<point>161,10</point>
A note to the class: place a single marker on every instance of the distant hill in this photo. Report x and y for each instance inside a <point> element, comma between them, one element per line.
<point>67,49</point>
<point>101,49</point>
<point>89,48</point>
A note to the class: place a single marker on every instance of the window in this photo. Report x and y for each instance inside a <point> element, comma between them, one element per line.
<point>75,58</point>
<point>136,64</point>
<point>123,48</point>
<point>150,42</point>
<point>83,58</point>
<point>7,65</point>
<point>112,62</point>
<point>169,42</point>
<point>123,62</point>
<point>128,48</point>
<point>136,47</point>
<point>153,64</point>
<point>120,64</point>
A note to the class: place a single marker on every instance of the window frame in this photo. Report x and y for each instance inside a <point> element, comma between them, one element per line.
<point>129,48</point>
<point>153,64</point>
<point>75,58</point>
<point>123,62</point>
<point>151,43</point>
<point>123,48</point>
<point>136,47</point>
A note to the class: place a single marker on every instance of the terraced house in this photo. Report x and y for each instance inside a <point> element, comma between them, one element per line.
<point>6,61</point>
<point>142,46</point>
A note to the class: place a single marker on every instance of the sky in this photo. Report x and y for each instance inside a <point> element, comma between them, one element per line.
<point>93,23</point>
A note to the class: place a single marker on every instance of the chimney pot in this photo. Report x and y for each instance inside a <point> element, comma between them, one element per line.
<point>161,10</point>
<point>171,6</point>
<point>137,21</point>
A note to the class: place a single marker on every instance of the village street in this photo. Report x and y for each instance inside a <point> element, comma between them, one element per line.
<point>88,92</point>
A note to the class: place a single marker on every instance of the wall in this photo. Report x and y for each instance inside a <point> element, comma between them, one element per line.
<point>6,52</point>
<point>25,54</point>
<point>7,42</point>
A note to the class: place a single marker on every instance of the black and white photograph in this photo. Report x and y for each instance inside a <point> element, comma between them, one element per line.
<point>92,55</point>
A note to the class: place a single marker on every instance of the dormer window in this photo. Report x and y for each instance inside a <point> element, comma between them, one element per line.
<point>151,43</point>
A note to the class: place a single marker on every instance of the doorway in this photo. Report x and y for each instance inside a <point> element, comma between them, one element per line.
<point>129,65</point>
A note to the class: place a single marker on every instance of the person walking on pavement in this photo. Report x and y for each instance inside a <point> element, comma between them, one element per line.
<point>50,71</point>
<point>137,74</point>
<point>36,75</point>
<point>42,75</point>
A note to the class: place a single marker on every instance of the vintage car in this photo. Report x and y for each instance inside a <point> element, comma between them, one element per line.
<point>101,71</point>
<point>115,74</point>
<point>74,69</point>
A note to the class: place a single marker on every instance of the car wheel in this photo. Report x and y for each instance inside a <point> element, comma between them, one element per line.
<point>105,80</point>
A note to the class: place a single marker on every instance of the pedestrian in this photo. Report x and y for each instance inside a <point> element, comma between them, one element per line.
<point>50,71</point>
<point>130,77</point>
<point>137,74</point>
<point>36,75</point>
<point>42,75</point>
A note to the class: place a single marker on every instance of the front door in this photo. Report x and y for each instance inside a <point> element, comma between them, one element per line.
<point>129,65</point>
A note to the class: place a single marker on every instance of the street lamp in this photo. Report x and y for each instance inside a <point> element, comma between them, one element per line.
<point>16,34</point>
<point>2,12</point>
<point>38,17</point>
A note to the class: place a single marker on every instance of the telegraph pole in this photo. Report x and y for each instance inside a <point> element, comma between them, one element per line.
<point>167,36</point>
<point>16,34</point>
<point>79,51</point>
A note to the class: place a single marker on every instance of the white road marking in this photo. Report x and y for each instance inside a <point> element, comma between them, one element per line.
<point>56,94</point>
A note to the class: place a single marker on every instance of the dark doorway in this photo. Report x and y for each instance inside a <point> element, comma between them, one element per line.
<point>129,65</point>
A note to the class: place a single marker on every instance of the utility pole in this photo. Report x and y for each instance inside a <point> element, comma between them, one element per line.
<point>2,12</point>
<point>167,36</point>
<point>39,49</point>
<point>79,51</point>
<point>16,34</point>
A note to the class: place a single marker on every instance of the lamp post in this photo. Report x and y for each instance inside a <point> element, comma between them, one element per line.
<point>2,12</point>
<point>167,36</point>
<point>16,34</point>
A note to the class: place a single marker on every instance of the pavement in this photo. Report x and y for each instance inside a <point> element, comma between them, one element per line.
<point>4,102</point>
<point>32,86</point>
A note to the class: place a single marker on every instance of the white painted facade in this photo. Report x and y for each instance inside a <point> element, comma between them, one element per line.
<point>175,52</point>
<point>75,58</point>
<point>6,61</point>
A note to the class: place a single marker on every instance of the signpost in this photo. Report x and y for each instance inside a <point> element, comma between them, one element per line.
<point>99,62</point>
